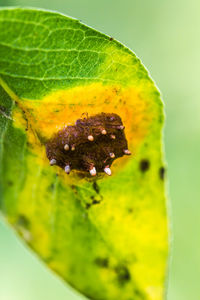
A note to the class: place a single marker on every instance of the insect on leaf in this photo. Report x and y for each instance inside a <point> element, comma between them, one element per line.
<point>81,172</point>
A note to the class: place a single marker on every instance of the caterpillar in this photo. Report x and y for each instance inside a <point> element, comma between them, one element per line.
<point>91,145</point>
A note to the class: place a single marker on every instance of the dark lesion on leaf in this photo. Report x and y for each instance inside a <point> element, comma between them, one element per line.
<point>144,165</point>
<point>74,188</point>
<point>123,274</point>
<point>96,201</point>
<point>89,146</point>
<point>162,171</point>
<point>23,225</point>
<point>51,187</point>
<point>96,187</point>
<point>26,119</point>
<point>23,221</point>
<point>102,262</point>
<point>96,198</point>
<point>93,201</point>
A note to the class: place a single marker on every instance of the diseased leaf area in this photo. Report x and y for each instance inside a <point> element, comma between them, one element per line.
<point>91,145</point>
<point>60,84</point>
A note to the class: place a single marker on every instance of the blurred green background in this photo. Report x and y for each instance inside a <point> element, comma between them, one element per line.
<point>166,37</point>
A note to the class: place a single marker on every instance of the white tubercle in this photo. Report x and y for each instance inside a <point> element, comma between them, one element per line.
<point>52,162</point>
<point>90,138</point>
<point>107,171</point>
<point>93,171</point>
<point>113,137</point>
<point>104,131</point>
<point>73,148</point>
<point>67,169</point>
<point>127,152</point>
<point>112,155</point>
<point>66,147</point>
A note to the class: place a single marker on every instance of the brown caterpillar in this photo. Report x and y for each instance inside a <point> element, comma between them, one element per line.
<point>91,145</point>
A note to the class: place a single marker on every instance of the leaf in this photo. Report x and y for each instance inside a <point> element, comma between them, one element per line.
<point>105,235</point>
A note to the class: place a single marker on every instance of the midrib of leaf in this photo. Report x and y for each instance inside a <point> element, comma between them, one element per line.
<point>9,91</point>
<point>3,152</point>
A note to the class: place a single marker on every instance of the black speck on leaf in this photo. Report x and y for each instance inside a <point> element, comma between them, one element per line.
<point>102,262</point>
<point>123,274</point>
<point>162,173</point>
<point>96,187</point>
<point>144,165</point>
<point>23,221</point>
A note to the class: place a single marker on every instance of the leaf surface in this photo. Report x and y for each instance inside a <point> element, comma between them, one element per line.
<point>107,236</point>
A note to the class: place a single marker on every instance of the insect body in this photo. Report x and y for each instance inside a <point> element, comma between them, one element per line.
<point>91,145</point>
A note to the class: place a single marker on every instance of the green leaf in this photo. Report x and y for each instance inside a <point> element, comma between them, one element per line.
<point>106,235</point>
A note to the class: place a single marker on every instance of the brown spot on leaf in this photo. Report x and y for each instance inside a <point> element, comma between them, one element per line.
<point>162,173</point>
<point>94,201</point>
<point>102,262</point>
<point>23,221</point>
<point>96,187</point>
<point>123,274</point>
<point>144,165</point>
